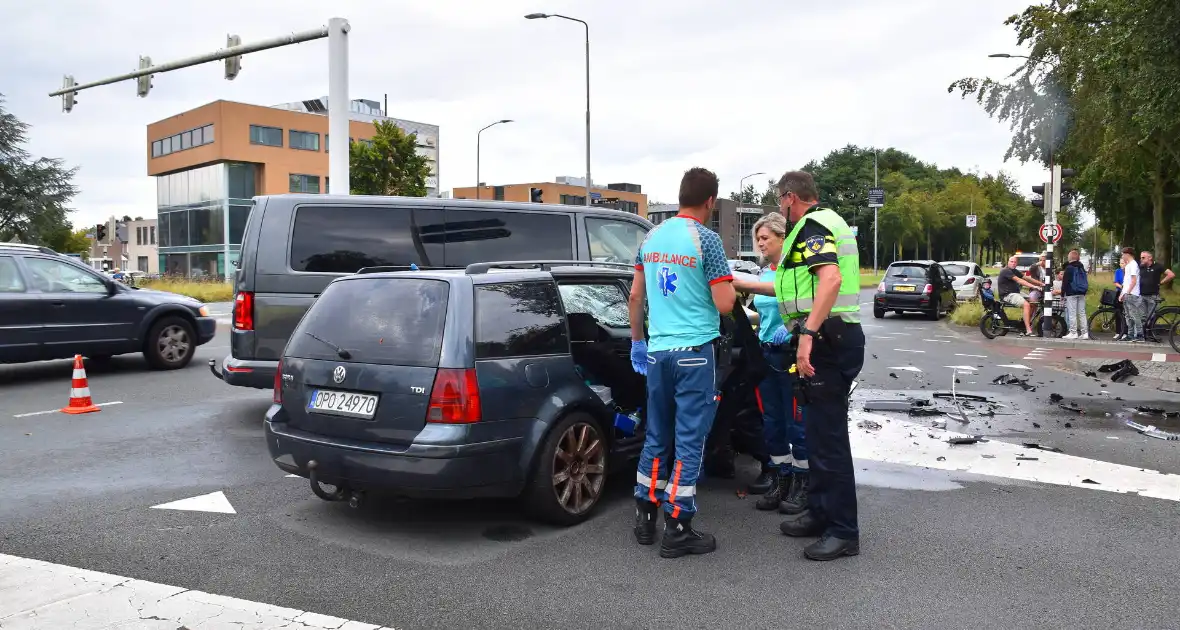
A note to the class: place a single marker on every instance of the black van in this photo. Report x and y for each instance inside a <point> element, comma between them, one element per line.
<point>295,245</point>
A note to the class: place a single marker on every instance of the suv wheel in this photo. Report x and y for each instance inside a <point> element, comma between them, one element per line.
<point>570,474</point>
<point>170,343</point>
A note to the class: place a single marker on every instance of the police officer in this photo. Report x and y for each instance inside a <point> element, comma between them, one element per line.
<point>683,275</point>
<point>818,289</point>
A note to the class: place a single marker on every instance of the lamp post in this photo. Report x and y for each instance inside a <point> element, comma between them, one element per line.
<point>538,16</point>
<point>478,183</point>
<point>742,184</point>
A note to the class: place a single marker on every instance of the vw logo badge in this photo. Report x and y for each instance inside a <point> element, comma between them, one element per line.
<point>338,374</point>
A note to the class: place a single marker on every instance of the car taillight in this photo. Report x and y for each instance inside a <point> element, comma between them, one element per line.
<point>970,280</point>
<point>881,287</point>
<point>928,289</point>
<point>454,398</point>
<point>244,311</point>
<point>278,393</point>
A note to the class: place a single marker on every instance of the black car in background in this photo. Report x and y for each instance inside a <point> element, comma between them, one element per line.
<point>500,380</point>
<point>54,307</point>
<point>915,285</point>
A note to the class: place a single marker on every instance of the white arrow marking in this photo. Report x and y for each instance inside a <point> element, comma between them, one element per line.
<point>901,442</point>
<point>973,356</point>
<point>907,368</point>
<point>212,502</point>
<point>1015,366</point>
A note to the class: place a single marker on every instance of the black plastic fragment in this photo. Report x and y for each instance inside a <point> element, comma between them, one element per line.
<point>1056,397</point>
<point>1042,447</point>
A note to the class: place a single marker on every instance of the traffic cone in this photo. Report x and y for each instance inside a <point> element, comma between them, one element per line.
<point>80,391</point>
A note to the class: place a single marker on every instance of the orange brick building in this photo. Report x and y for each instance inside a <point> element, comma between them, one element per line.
<point>566,190</point>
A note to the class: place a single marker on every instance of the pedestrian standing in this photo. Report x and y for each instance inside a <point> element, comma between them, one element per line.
<point>681,273</point>
<point>1120,318</point>
<point>817,285</point>
<point>1075,284</point>
<point>1151,276</point>
<point>1130,297</point>
<point>782,422</point>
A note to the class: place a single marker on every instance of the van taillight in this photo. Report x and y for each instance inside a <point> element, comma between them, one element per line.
<point>278,393</point>
<point>244,311</point>
<point>454,398</point>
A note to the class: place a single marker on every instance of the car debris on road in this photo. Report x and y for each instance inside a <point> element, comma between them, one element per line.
<point>1151,431</point>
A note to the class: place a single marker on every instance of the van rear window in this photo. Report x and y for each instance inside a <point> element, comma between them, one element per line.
<point>389,321</point>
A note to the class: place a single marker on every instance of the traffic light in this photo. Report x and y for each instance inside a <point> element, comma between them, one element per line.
<point>1041,190</point>
<point>1065,190</point>
<point>233,65</point>
<point>535,195</point>
<point>100,232</point>
<point>144,84</point>
<point>68,99</point>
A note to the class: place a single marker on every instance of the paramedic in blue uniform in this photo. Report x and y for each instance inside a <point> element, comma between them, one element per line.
<point>683,276</point>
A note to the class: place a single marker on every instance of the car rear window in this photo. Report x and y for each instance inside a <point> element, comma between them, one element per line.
<point>519,319</point>
<point>912,271</point>
<point>957,270</point>
<point>390,321</point>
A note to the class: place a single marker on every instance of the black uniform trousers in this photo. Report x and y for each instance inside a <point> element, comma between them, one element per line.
<point>837,358</point>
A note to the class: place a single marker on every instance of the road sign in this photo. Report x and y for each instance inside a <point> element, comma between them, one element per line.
<point>876,197</point>
<point>971,220</point>
<point>1050,232</point>
<point>855,231</point>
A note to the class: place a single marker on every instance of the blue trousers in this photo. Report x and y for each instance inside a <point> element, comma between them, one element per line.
<point>682,401</point>
<point>782,419</point>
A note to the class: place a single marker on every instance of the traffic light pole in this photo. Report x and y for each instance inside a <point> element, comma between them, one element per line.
<point>1052,199</point>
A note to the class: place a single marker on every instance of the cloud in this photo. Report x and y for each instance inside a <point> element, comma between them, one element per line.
<point>738,87</point>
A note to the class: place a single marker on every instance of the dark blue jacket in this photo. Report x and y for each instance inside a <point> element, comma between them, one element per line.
<point>1070,269</point>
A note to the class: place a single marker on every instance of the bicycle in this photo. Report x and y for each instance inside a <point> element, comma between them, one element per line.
<point>1157,327</point>
<point>995,322</point>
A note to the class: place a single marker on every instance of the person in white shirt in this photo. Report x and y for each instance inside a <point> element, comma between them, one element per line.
<point>1130,297</point>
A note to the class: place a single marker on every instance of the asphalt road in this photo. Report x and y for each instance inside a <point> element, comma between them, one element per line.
<point>939,548</point>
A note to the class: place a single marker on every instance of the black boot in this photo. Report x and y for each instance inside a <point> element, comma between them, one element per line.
<point>681,539</point>
<point>830,548</point>
<point>777,493</point>
<point>765,481</point>
<point>796,500</point>
<point>645,521</point>
<point>802,525</point>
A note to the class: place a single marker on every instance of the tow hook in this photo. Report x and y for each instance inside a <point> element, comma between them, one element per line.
<point>213,369</point>
<point>356,498</point>
<point>341,493</point>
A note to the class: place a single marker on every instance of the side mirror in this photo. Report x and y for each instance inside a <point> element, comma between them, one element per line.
<point>112,288</point>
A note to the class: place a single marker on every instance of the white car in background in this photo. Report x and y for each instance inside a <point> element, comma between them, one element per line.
<point>968,278</point>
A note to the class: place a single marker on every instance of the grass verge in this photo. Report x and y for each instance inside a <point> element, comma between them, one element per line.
<point>212,291</point>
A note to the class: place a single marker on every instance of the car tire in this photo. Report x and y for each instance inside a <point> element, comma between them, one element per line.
<point>879,313</point>
<point>170,343</point>
<point>568,451</point>
<point>935,311</point>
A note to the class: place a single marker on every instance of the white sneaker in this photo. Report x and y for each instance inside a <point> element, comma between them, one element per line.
<point>1072,335</point>
<point>1085,336</point>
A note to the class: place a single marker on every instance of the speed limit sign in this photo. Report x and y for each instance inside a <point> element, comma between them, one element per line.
<point>1051,233</point>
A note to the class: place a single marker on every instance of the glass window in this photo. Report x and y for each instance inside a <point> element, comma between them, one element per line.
<point>186,140</point>
<point>10,281</point>
<point>614,241</point>
<point>268,136</point>
<point>197,137</point>
<point>305,183</point>
<point>205,265</point>
<point>498,193</point>
<point>238,216</point>
<point>175,265</point>
<point>206,226</point>
<point>474,236</point>
<point>162,222</point>
<point>604,302</point>
<point>304,140</point>
<point>54,276</point>
<point>378,320</point>
<point>344,239</point>
<point>152,234</point>
<point>166,146</point>
<point>141,263</point>
<point>178,228</point>
<point>957,270</point>
<point>746,221</point>
<point>241,181</point>
<point>157,148</point>
<point>518,319</point>
<point>207,133</point>
<point>910,271</point>
<point>715,222</point>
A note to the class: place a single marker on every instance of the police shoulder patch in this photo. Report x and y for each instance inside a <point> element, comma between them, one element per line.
<point>814,243</point>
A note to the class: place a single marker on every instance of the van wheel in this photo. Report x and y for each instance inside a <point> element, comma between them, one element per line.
<point>170,343</point>
<point>570,474</point>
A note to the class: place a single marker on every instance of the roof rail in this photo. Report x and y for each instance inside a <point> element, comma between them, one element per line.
<point>40,248</point>
<point>484,267</point>
<point>385,268</point>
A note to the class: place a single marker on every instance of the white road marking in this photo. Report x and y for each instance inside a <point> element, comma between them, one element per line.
<point>913,351</point>
<point>36,594</point>
<point>212,502</point>
<point>907,368</point>
<point>1016,366</point>
<point>936,340</point>
<point>41,413</point>
<point>1159,356</point>
<point>973,356</point>
<point>902,442</point>
<point>969,368</point>
<point>295,476</point>
<point>948,336</point>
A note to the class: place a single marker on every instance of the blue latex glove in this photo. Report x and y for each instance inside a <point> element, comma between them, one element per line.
<point>780,336</point>
<point>413,267</point>
<point>639,357</point>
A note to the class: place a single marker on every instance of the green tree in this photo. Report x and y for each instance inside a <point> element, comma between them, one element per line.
<point>33,192</point>
<point>389,166</point>
<point>66,240</point>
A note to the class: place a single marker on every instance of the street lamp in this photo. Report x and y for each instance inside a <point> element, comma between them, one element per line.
<point>742,185</point>
<point>539,16</point>
<point>1006,56</point>
<point>478,183</point>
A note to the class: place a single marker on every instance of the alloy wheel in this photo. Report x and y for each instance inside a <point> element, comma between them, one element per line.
<point>174,344</point>
<point>579,468</point>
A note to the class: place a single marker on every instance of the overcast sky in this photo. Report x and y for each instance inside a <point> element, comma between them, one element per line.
<point>739,87</point>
